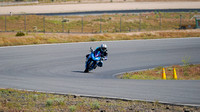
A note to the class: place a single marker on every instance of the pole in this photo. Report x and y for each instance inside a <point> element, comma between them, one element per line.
<point>140,22</point>
<point>62,24</point>
<point>100,23</point>
<point>120,24</point>
<point>180,21</point>
<point>5,25</point>
<point>25,23</point>
<point>44,24</point>
<point>160,21</point>
<point>82,25</point>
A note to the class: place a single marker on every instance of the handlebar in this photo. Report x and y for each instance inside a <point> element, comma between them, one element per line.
<point>91,49</point>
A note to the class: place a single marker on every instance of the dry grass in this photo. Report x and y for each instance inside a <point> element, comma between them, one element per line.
<point>19,101</point>
<point>164,0</point>
<point>61,1</point>
<point>93,24</point>
<point>186,72</point>
<point>9,39</point>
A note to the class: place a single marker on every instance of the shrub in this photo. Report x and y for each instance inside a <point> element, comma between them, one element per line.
<point>186,60</point>
<point>20,34</point>
<point>72,108</point>
<point>95,105</point>
<point>93,39</point>
<point>35,97</point>
<point>49,102</point>
<point>35,29</point>
<point>170,69</point>
<point>159,68</point>
<point>60,101</point>
<point>65,20</point>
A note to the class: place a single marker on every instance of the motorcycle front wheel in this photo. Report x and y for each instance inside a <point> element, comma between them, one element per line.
<point>90,64</point>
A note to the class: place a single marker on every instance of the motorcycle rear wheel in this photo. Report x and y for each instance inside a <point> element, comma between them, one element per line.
<point>86,70</point>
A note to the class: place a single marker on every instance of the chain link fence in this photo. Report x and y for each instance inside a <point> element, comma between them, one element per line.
<point>97,24</point>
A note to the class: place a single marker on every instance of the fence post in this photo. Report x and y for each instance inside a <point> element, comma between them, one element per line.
<point>120,24</point>
<point>140,22</point>
<point>180,21</point>
<point>25,23</point>
<point>82,25</point>
<point>100,23</point>
<point>63,24</point>
<point>160,21</point>
<point>5,25</point>
<point>190,15</point>
<point>44,24</point>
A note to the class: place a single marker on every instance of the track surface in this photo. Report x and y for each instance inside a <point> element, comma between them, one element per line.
<point>59,68</point>
<point>36,9</point>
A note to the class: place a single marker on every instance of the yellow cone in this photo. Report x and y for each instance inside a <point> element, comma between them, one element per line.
<point>163,74</point>
<point>175,76</point>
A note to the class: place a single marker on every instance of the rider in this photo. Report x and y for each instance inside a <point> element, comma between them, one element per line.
<point>102,50</point>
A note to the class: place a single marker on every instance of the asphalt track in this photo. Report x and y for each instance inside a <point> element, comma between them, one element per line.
<point>59,68</point>
<point>126,7</point>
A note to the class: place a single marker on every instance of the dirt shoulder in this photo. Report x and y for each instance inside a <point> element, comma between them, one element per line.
<point>18,100</point>
<point>96,7</point>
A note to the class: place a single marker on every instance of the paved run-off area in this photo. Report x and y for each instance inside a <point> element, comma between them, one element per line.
<point>97,7</point>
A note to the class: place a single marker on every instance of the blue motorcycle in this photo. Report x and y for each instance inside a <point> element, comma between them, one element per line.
<point>93,60</point>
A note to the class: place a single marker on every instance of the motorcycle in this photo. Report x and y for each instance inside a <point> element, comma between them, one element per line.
<point>93,60</point>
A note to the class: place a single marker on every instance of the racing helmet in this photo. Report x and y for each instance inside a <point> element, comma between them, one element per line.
<point>104,47</point>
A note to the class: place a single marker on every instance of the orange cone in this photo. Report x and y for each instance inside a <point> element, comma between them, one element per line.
<point>163,74</point>
<point>175,76</point>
